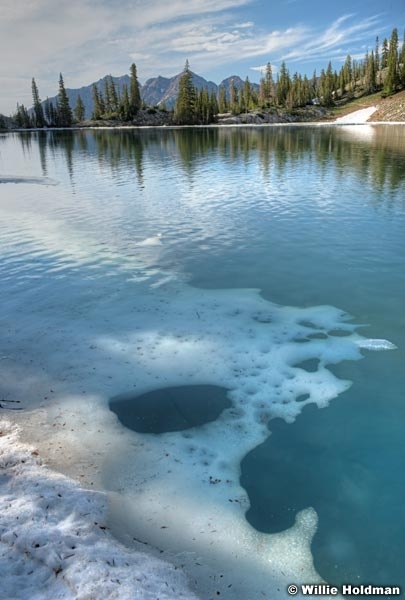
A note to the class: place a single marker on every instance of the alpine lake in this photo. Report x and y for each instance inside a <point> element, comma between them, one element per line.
<point>142,270</point>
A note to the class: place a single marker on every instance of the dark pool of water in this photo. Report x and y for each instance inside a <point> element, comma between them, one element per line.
<point>170,409</point>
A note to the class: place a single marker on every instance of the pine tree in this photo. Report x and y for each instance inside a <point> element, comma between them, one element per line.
<point>214,109</point>
<point>50,113</point>
<point>39,118</point>
<point>185,108</point>
<point>223,106</point>
<point>233,98</point>
<point>392,77</point>
<point>384,54</point>
<point>79,110</point>
<point>283,85</point>
<point>247,94</point>
<point>113,96</point>
<point>135,102</point>
<point>326,86</point>
<point>123,109</point>
<point>107,99</point>
<point>377,55</point>
<point>267,87</point>
<point>22,117</point>
<point>348,72</point>
<point>98,107</point>
<point>370,78</point>
<point>47,112</point>
<point>402,63</point>
<point>65,117</point>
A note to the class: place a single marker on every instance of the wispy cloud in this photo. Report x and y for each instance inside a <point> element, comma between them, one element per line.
<point>85,39</point>
<point>262,69</point>
<point>347,31</point>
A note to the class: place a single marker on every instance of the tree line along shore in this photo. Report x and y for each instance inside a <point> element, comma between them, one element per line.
<point>284,98</point>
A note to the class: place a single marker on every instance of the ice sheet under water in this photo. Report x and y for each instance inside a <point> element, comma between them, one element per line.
<point>97,307</point>
<point>180,491</point>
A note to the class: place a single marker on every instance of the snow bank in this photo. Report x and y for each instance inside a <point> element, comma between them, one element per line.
<point>54,542</point>
<point>357,116</point>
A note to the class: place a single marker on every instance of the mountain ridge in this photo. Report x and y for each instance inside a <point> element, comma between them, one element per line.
<point>156,91</point>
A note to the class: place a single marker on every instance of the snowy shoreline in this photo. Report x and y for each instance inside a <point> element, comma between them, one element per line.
<point>54,542</point>
<point>357,117</point>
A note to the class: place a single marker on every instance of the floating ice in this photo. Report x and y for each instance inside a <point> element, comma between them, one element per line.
<point>24,179</point>
<point>151,241</point>
<point>375,345</point>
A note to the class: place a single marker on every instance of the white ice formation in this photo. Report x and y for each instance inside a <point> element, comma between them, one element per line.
<point>180,491</point>
<point>54,542</point>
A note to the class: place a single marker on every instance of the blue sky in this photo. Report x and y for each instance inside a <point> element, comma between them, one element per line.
<point>87,39</point>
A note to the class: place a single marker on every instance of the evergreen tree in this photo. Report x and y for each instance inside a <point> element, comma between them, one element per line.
<point>214,109</point>
<point>283,85</point>
<point>79,110</point>
<point>348,72</point>
<point>50,113</point>
<point>326,86</point>
<point>98,106</point>
<point>123,109</point>
<point>247,94</point>
<point>314,84</point>
<point>233,98</point>
<point>391,80</point>
<point>384,54</point>
<point>307,92</point>
<point>47,112</point>
<point>402,63</point>
<point>39,118</point>
<point>107,99</point>
<point>370,77</point>
<point>65,117</point>
<point>202,112</point>
<point>185,108</point>
<point>267,87</point>
<point>377,55</point>
<point>22,117</point>
<point>134,93</point>
<point>222,100</point>
<point>114,101</point>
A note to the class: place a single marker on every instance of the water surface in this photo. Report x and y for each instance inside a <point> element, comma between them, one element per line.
<point>309,216</point>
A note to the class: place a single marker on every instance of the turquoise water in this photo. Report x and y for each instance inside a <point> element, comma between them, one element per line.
<point>309,216</point>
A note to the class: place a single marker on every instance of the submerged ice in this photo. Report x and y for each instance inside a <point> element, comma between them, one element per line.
<point>179,491</point>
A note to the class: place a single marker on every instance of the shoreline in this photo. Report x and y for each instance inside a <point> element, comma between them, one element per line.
<point>357,117</point>
<point>54,536</point>
<point>210,126</point>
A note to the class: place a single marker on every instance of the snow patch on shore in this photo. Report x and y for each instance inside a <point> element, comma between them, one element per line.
<point>357,116</point>
<point>54,542</point>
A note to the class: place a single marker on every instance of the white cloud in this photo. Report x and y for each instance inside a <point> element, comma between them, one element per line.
<point>262,69</point>
<point>346,30</point>
<point>85,39</point>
